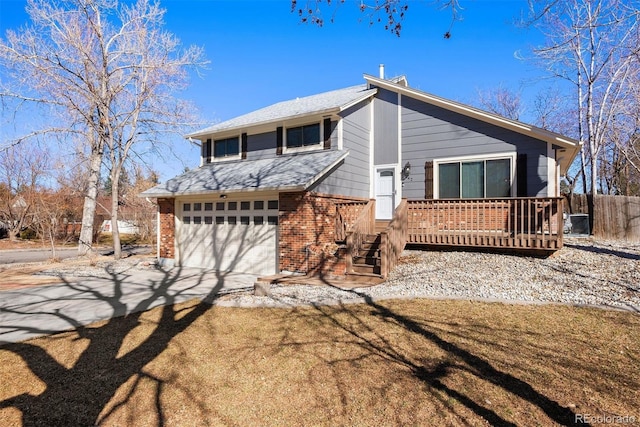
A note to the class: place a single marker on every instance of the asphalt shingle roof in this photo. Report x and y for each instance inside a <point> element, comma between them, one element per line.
<point>293,172</point>
<point>321,102</point>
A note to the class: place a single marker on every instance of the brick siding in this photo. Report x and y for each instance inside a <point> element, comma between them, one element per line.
<point>166,207</point>
<point>307,234</point>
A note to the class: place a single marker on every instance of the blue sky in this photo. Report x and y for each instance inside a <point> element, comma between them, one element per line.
<point>261,53</point>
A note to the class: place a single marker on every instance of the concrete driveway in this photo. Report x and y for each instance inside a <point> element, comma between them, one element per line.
<point>12,256</point>
<point>78,301</point>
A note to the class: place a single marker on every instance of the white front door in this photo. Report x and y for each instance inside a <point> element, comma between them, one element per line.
<point>385,193</point>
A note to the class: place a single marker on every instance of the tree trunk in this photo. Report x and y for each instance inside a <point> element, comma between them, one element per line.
<point>115,232</point>
<point>85,241</point>
<point>13,234</point>
<point>594,173</point>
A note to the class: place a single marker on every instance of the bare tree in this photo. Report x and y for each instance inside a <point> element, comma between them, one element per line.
<point>389,13</point>
<point>21,174</point>
<point>142,211</point>
<point>593,44</point>
<point>501,101</point>
<point>108,71</point>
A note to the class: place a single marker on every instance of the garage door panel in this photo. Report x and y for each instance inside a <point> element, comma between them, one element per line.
<point>234,237</point>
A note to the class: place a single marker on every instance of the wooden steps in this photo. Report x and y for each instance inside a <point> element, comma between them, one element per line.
<point>367,261</point>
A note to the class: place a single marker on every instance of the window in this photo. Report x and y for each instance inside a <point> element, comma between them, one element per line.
<point>231,220</point>
<point>208,206</point>
<point>273,204</point>
<point>197,220</point>
<point>186,207</point>
<point>197,206</point>
<point>219,206</point>
<point>258,205</point>
<point>474,179</point>
<point>244,220</point>
<point>303,136</point>
<point>208,220</point>
<point>233,206</point>
<point>245,206</point>
<point>272,220</point>
<point>229,147</point>
<point>186,220</point>
<point>258,220</point>
<point>219,220</point>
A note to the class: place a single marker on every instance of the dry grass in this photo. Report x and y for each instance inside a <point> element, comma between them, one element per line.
<point>416,362</point>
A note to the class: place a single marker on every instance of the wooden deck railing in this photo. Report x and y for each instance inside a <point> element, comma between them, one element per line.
<point>346,215</point>
<point>393,239</point>
<point>520,223</point>
<point>363,225</point>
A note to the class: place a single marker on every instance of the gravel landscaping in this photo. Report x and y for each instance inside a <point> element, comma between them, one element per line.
<point>584,272</point>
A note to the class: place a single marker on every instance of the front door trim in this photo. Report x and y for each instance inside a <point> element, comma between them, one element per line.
<point>396,196</point>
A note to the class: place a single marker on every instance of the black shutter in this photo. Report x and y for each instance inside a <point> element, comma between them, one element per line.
<point>327,133</point>
<point>279,140</point>
<point>244,146</point>
<point>207,151</point>
<point>428,180</point>
<point>521,173</point>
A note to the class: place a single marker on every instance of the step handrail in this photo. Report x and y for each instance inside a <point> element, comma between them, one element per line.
<point>393,239</point>
<point>357,234</point>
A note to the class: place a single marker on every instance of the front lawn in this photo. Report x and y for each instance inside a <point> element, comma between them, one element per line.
<point>419,362</point>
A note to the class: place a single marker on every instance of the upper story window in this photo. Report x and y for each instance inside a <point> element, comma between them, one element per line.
<point>475,178</point>
<point>301,137</point>
<point>228,147</point>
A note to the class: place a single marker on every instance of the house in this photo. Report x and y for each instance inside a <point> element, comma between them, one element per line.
<point>338,182</point>
<point>124,227</point>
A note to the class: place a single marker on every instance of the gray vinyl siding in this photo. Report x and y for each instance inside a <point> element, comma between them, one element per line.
<point>351,177</point>
<point>264,145</point>
<point>261,145</point>
<point>385,127</point>
<point>430,132</point>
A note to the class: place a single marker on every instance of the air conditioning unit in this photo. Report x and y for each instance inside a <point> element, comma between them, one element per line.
<point>579,224</point>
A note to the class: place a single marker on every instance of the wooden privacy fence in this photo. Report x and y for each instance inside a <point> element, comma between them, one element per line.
<point>518,223</point>
<point>617,217</point>
<point>613,217</point>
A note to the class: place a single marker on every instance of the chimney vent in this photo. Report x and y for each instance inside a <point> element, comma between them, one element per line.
<point>382,71</point>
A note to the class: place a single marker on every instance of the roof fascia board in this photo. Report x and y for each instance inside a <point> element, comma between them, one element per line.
<point>241,190</point>
<point>359,100</point>
<point>469,111</point>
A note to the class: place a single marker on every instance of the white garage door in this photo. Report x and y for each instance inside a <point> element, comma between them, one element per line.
<point>229,235</point>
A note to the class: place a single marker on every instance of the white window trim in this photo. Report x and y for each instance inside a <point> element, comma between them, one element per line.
<point>215,159</point>
<point>482,157</point>
<point>552,179</point>
<point>314,147</point>
<point>372,171</point>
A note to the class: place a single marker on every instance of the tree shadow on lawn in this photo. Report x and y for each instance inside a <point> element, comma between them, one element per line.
<point>605,251</point>
<point>79,394</point>
<point>433,376</point>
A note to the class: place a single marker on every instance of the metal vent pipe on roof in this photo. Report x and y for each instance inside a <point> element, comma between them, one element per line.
<point>382,71</point>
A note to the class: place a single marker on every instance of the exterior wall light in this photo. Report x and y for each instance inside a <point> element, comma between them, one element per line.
<point>406,171</point>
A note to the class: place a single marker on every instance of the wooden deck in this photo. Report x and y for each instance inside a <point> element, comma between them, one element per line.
<point>519,224</point>
<point>531,223</point>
